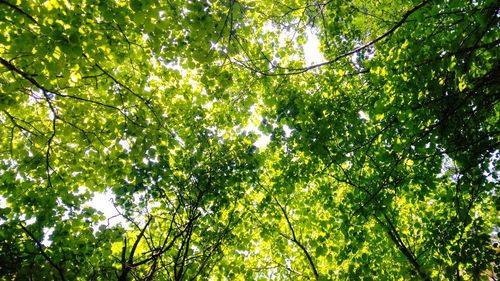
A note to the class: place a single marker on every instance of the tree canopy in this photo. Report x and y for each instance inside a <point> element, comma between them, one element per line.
<point>233,150</point>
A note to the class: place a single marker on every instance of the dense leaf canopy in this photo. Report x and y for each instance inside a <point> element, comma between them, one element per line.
<point>249,139</point>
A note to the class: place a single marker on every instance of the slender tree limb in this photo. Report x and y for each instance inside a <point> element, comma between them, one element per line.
<point>294,71</point>
<point>17,125</point>
<point>40,247</point>
<point>137,240</point>
<point>297,242</point>
<point>127,264</point>
<point>33,81</point>
<point>123,275</point>
<point>392,231</point>
<point>19,10</point>
<point>394,235</point>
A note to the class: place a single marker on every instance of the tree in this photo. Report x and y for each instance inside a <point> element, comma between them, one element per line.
<point>382,160</point>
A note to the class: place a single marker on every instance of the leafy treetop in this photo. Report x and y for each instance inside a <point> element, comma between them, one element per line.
<point>381,164</point>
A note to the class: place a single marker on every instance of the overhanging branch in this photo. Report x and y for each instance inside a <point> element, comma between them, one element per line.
<point>297,242</point>
<point>294,71</point>
<point>40,247</point>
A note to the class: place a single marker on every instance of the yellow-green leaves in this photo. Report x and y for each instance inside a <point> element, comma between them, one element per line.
<point>132,140</point>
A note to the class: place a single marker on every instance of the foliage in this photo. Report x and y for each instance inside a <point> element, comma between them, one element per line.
<point>381,165</point>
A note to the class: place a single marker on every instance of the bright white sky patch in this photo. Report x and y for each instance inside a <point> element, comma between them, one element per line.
<point>3,202</point>
<point>311,48</point>
<point>103,202</point>
<point>363,115</point>
<point>263,141</point>
<point>46,236</point>
<point>125,144</point>
<point>312,53</point>
<point>287,130</point>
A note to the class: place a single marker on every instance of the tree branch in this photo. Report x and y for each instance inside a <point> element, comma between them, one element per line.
<point>40,247</point>
<point>297,242</point>
<point>127,265</point>
<point>294,71</point>
<point>393,233</point>
<point>29,78</point>
<point>19,10</point>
